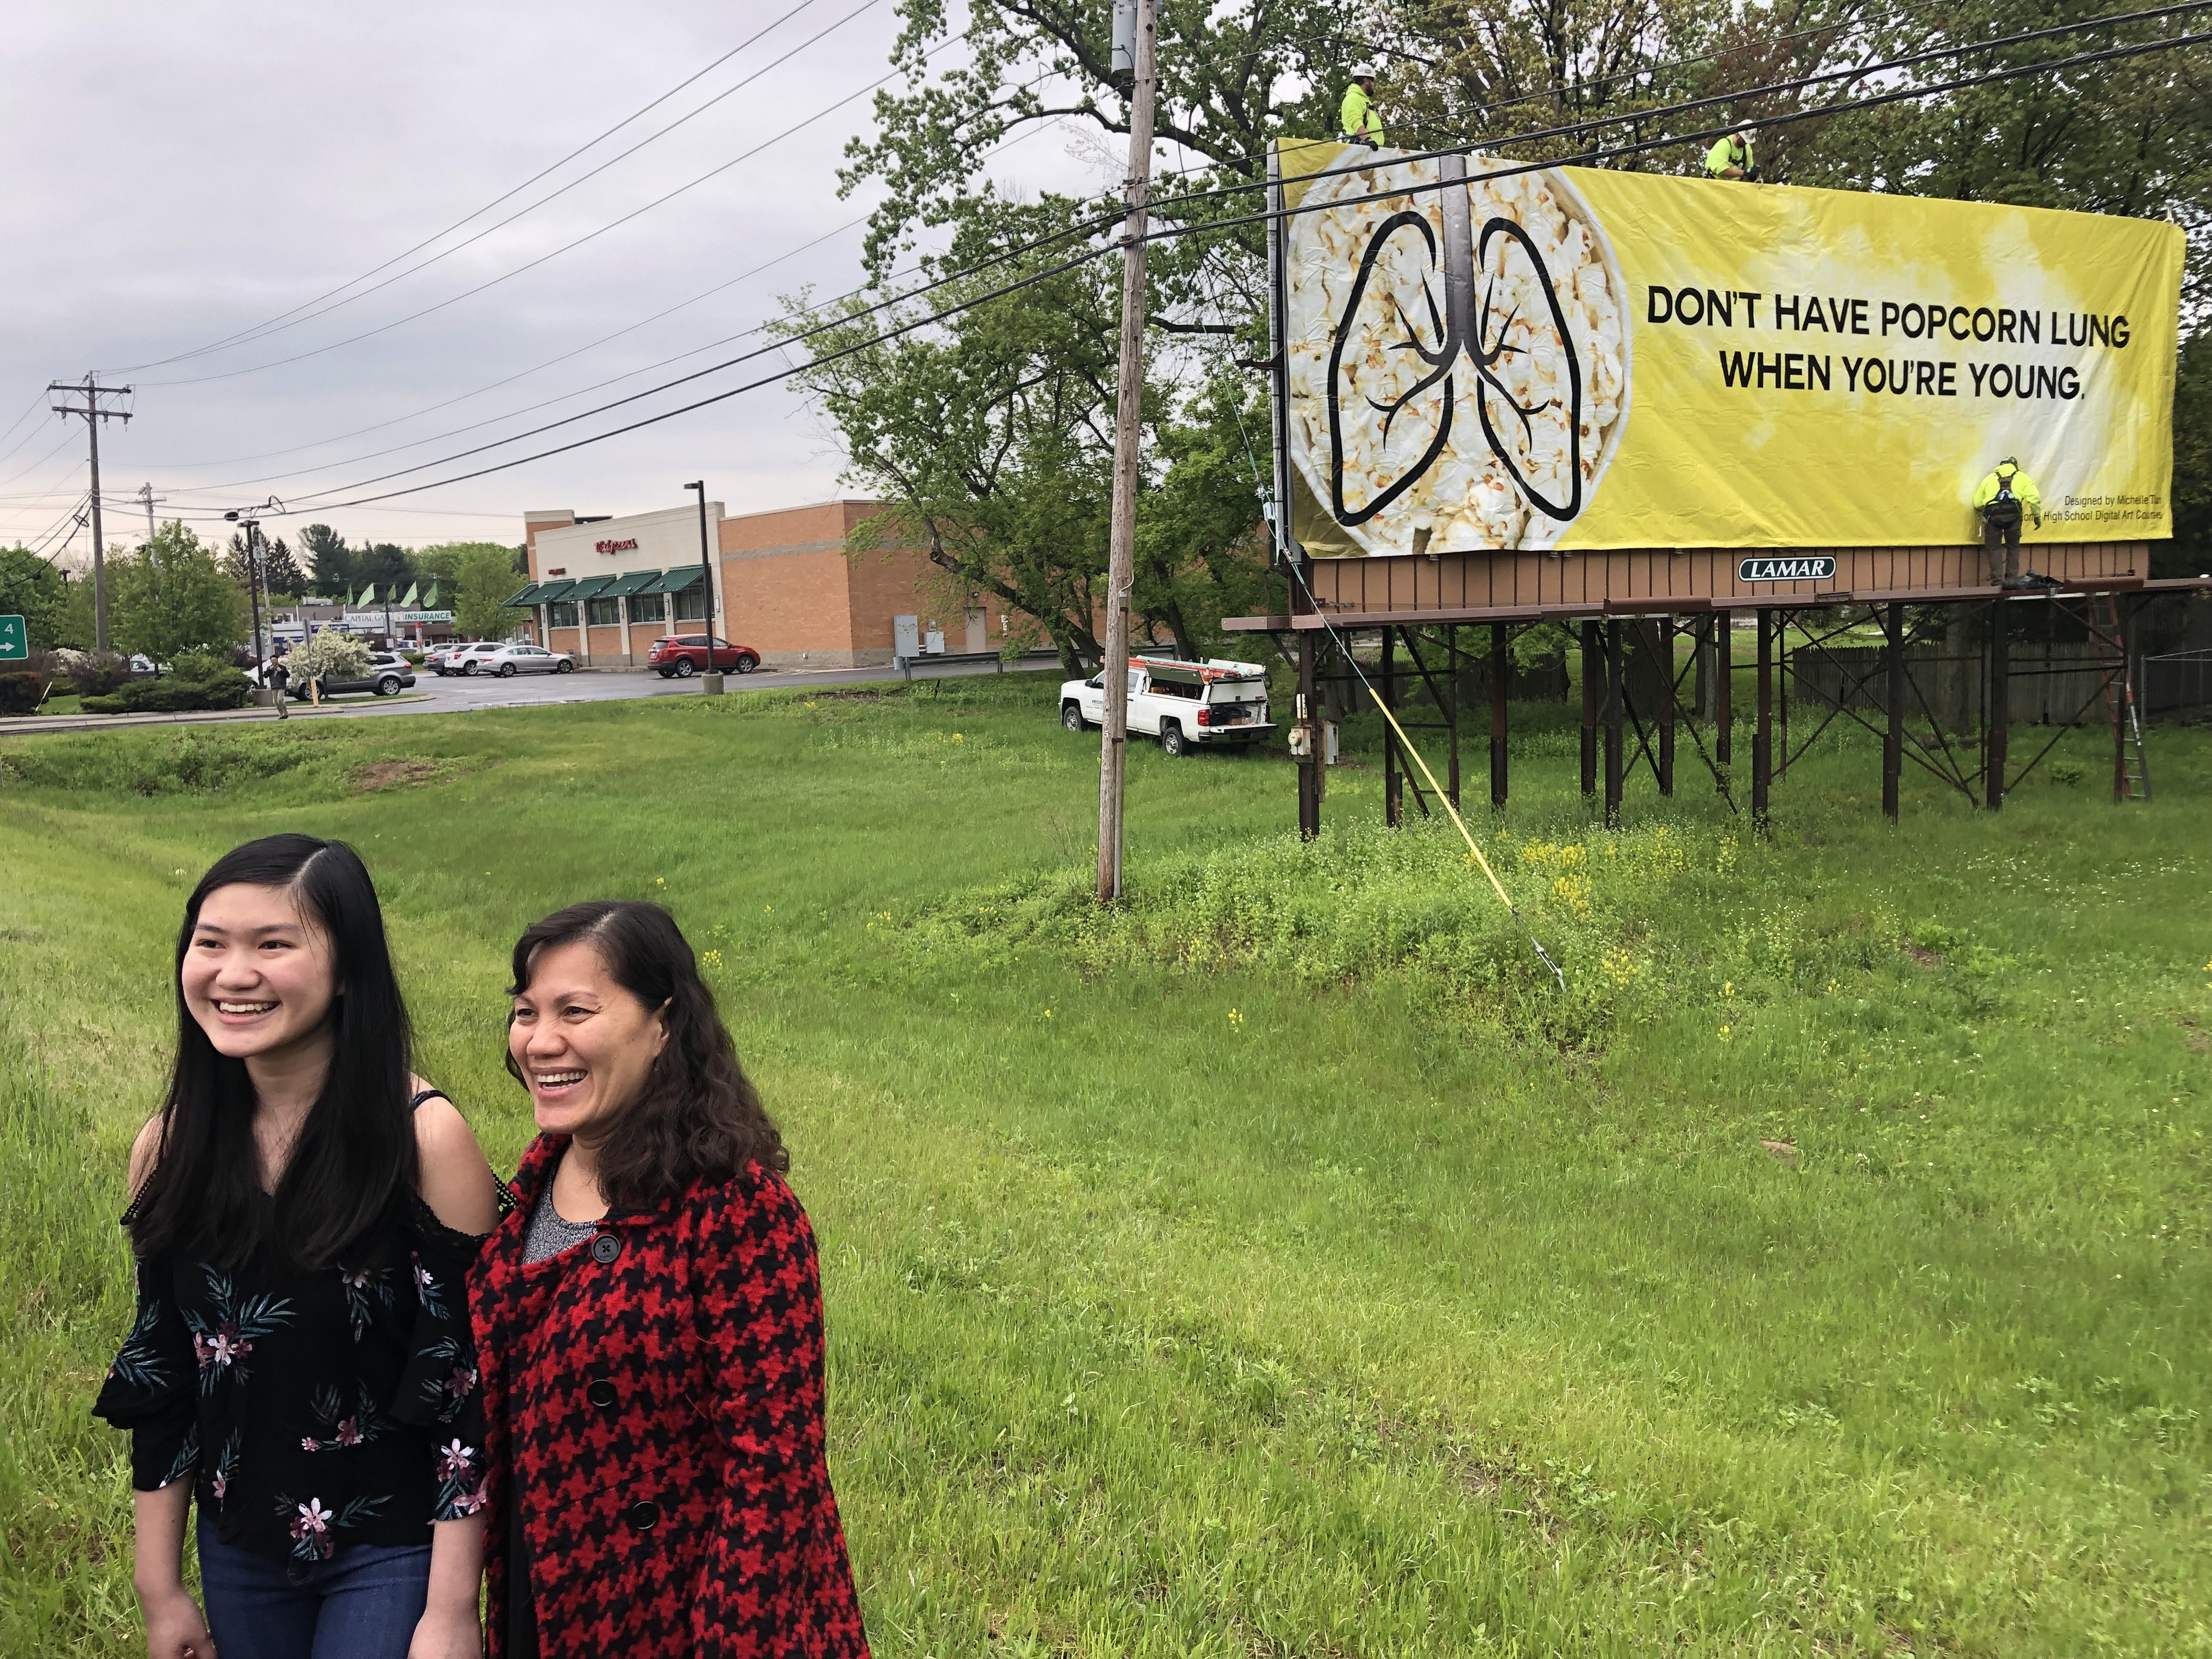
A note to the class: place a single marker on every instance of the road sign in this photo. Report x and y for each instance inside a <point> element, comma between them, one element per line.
<point>15,640</point>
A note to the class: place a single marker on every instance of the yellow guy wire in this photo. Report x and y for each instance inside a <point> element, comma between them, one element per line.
<point>1460,824</point>
<point>1406,743</point>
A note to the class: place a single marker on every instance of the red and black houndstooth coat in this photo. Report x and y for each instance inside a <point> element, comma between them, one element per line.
<point>655,1408</point>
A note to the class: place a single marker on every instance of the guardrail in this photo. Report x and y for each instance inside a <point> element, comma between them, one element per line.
<point>905,664</point>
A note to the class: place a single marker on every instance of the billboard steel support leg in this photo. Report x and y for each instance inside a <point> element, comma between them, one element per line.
<point>1592,673</point>
<point>1668,627</point>
<point>1310,709</point>
<point>1724,688</point>
<point>1612,743</point>
<point>1892,742</point>
<point>1762,741</point>
<point>2000,710</point>
<point>1498,662</point>
<point>1451,712</point>
<point>1393,803</point>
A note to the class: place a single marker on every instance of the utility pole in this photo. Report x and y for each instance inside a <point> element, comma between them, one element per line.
<point>1121,554</point>
<point>252,532</point>
<point>94,415</point>
<point>147,498</point>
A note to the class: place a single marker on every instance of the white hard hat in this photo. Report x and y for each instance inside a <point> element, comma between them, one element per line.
<point>1362,72</point>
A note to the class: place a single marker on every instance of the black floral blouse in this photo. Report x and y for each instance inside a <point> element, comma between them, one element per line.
<point>311,1408</point>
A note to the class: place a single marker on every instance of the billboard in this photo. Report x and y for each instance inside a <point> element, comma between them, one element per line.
<point>1571,359</point>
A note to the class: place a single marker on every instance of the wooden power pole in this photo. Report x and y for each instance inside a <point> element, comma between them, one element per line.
<point>1121,556</point>
<point>94,415</point>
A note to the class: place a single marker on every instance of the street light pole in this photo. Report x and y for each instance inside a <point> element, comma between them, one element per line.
<point>1121,551</point>
<point>706,571</point>
<point>252,530</point>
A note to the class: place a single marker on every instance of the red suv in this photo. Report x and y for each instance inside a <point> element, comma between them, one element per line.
<point>679,656</point>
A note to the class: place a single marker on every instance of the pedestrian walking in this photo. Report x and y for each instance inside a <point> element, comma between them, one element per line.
<point>649,1319</point>
<point>279,677</point>
<point>300,1366</point>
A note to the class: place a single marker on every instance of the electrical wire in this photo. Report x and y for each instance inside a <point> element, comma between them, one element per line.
<point>2053,66</point>
<point>1474,850</point>
<point>777,63</point>
<point>245,334</point>
<point>1214,225</point>
<point>548,403</point>
<point>783,132</point>
<point>28,409</point>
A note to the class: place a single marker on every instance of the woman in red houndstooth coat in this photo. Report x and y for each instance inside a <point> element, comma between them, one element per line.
<point>649,1328</point>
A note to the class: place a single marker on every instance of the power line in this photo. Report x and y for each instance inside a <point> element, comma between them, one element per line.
<point>2053,66</point>
<point>1216,224</point>
<point>585,177</point>
<point>231,339</point>
<point>604,339</point>
<point>782,133</point>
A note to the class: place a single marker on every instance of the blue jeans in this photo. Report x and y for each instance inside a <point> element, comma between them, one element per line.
<point>362,1603</point>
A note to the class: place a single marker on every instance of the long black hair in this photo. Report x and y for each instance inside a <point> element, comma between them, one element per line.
<point>355,1153</point>
<point>698,1115</point>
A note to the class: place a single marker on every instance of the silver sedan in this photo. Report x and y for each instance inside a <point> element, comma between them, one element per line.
<point>512,659</point>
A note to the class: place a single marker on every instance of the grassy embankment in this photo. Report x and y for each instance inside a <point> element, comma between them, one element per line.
<point>1277,1266</point>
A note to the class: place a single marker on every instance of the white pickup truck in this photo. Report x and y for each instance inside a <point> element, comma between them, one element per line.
<point>1180,703</point>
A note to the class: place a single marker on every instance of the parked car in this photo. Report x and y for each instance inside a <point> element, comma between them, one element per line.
<point>509,659</point>
<point>463,658</point>
<point>388,673</point>
<point>1180,703</point>
<point>679,656</point>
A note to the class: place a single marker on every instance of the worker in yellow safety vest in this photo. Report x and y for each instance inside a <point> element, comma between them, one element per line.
<point>1732,158</point>
<point>1357,122</point>
<point>2003,498</point>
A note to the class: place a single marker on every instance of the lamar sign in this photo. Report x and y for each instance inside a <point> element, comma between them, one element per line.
<point>1819,568</point>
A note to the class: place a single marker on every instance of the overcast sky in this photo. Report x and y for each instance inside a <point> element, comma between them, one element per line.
<point>185,173</point>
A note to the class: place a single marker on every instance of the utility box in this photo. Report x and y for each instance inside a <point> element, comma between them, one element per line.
<point>933,643</point>
<point>906,636</point>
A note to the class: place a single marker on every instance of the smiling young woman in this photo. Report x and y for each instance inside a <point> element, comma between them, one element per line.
<point>649,1319</point>
<point>304,1213</point>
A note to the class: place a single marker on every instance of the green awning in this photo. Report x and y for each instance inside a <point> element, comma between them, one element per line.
<point>638,581</point>
<point>552,590</point>
<point>677,580</point>
<point>529,594</point>
<point>590,588</point>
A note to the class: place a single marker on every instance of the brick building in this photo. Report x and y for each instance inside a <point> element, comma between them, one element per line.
<point>782,583</point>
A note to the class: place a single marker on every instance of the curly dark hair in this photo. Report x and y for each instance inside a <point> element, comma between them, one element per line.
<point>698,1115</point>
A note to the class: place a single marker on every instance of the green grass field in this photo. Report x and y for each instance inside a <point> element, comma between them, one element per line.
<point>1280,1265</point>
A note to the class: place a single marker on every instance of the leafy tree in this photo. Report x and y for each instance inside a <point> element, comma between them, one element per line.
<point>76,631</point>
<point>381,564</point>
<point>281,571</point>
<point>1202,550</point>
<point>171,597</point>
<point>330,561</point>
<point>2190,553</point>
<point>33,589</point>
<point>474,577</point>
<point>992,434</point>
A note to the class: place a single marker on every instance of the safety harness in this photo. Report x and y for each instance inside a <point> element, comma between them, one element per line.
<point>2003,512</point>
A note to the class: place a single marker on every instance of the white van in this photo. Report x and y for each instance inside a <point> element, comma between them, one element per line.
<point>1180,703</point>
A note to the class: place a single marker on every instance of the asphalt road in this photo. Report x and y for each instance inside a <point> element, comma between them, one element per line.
<point>459,694</point>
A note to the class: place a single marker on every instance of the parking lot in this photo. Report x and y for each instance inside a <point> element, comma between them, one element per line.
<point>456,695</point>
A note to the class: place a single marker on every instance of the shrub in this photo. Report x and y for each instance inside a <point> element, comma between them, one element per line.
<point>201,680</point>
<point>21,693</point>
<point>94,674</point>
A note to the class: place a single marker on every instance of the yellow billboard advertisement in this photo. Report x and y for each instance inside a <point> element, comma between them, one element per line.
<point>1574,359</point>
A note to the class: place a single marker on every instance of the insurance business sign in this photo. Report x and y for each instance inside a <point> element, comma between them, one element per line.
<point>1573,359</point>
